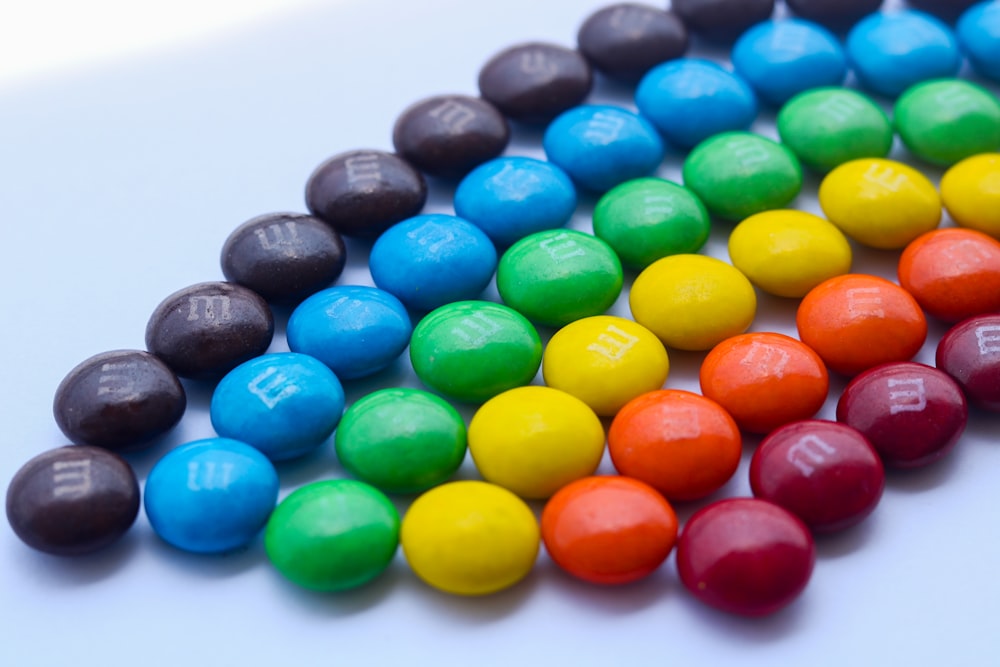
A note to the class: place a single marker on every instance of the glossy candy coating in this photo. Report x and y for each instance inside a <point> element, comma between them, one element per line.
<point>332,535</point>
<point>353,329</point>
<point>118,400</point>
<point>765,380</point>
<point>825,473</point>
<point>836,14</point>
<point>210,496</point>
<point>473,350</point>
<point>284,404</point>
<point>72,500</point>
<point>948,10</point>
<point>600,146</point>
<point>970,353</point>
<point>855,322</point>
<point>206,330</point>
<point>911,413</point>
<point>625,40</point>
<point>608,530</point>
<point>971,193</point>
<point>511,197</point>
<point>684,445</point>
<point>780,59</point>
<point>880,203</point>
<point>535,440</point>
<point>979,34</point>
<point>558,276</point>
<point>890,52</point>
<point>722,20</point>
<point>692,302</point>
<point>787,253</point>
<point>605,362</point>
<point>401,440</point>
<point>649,218</point>
<point>362,193</point>
<point>470,538</point>
<point>737,174</point>
<point>284,257</point>
<point>690,100</point>
<point>745,556</point>
<point>434,259</point>
<point>827,127</point>
<point>535,82</point>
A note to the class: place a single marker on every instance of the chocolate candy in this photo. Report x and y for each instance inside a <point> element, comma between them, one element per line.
<point>971,193</point>
<point>979,34</point>
<point>204,331</point>
<point>837,14</point>
<point>534,83</point>
<point>284,257</point>
<point>72,500</point>
<point>448,135</point>
<point>949,10</point>
<point>970,353</point>
<point>119,400</point>
<point>722,20</point>
<point>624,41</point>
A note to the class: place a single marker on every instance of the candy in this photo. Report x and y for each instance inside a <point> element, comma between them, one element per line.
<point>649,218</point>
<point>210,496</point>
<point>979,34</point>
<point>787,253</point>
<point>971,193</point>
<point>431,260</point>
<point>684,445</point>
<point>692,302</point>
<point>834,13</point>
<point>608,530</point>
<point>855,322</point>
<point>911,413</point>
<point>970,353</point>
<point>737,174</point>
<point>535,440</point>
<point>401,440</point>
<point>470,538</point>
<point>625,40</point>
<point>284,404</point>
<point>722,20</point>
<point>605,362</point>
<point>825,473</point>
<point>946,9</point>
<point>764,380</point>
<point>72,500</point>
<point>332,535</point>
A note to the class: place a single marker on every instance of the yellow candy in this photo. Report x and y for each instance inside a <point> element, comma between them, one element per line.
<point>470,538</point>
<point>787,253</point>
<point>880,203</point>
<point>971,193</point>
<point>605,362</point>
<point>535,440</point>
<point>693,302</point>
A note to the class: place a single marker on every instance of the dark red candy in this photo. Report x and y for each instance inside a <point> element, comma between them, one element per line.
<point>722,20</point>
<point>948,10</point>
<point>834,13</point>
<point>72,500</point>
<point>745,556</point>
<point>825,473</point>
<point>626,40</point>
<point>119,400</point>
<point>970,353</point>
<point>911,413</point>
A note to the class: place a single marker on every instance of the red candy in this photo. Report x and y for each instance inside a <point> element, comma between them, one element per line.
<point>825,473</point>
<point>970,353</point>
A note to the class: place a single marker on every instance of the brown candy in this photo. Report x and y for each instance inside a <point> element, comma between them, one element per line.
<point>949,10</point>
<point>722,20</point>
<point>838,14</point>
<point>626,40</point>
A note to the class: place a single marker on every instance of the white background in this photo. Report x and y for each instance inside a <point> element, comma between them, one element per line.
<point>135,136</point>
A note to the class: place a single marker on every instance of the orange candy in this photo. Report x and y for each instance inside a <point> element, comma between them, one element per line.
<point>765,380</point>
<point>953,274</point>
<point>608,530</point>
<point>684,445</point>
<point>855,322</point>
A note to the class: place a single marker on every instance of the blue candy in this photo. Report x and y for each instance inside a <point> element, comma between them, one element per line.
<point>602,146</point>
<point>353,329</point>
<point>781,59</point>
<point>891,52</point>
<point>284,404</point>
<point>690,100</point>
<point>211,496</point>
<point>979,34</point>
<point>512,197</point>
<point>430,260</point>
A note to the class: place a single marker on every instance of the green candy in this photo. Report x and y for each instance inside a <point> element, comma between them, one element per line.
<point>738,174</point>
<point>332,535</point>
<point>827,127</point>
<point>474,350</point>
<point>649,218</point>
<point>401,440</point>
<point>559,276</point>
<point>948,120</point>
